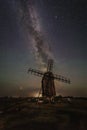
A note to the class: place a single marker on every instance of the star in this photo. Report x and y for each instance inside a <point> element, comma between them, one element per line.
<point>56,17</point>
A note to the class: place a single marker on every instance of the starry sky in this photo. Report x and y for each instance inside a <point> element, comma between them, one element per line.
<point>33,31</point>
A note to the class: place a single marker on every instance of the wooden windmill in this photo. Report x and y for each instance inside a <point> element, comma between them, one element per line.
<point>47,83</point>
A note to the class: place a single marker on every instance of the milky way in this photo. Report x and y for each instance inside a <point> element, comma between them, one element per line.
<point>30,22</point>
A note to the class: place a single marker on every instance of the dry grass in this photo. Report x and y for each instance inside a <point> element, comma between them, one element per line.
<point>31,116</point>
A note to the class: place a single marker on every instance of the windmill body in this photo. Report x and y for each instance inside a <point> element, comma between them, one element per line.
<point>48,86</point>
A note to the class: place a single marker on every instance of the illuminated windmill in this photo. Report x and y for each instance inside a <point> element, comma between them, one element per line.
<point>48,86</point>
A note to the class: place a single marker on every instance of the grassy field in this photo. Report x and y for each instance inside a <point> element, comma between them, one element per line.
<point>25,115</point>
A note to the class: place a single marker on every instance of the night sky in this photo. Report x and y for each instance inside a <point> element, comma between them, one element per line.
<point>33,31</point>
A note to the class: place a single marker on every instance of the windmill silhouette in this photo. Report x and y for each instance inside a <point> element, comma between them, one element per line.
<point>47,83</point>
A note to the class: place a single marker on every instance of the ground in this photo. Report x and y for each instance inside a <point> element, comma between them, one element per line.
<point>24,114</point>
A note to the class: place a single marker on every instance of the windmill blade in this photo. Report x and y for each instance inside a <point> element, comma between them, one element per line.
<point>50,65</point>
<point>61,78</point>
<point>36,72</point>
